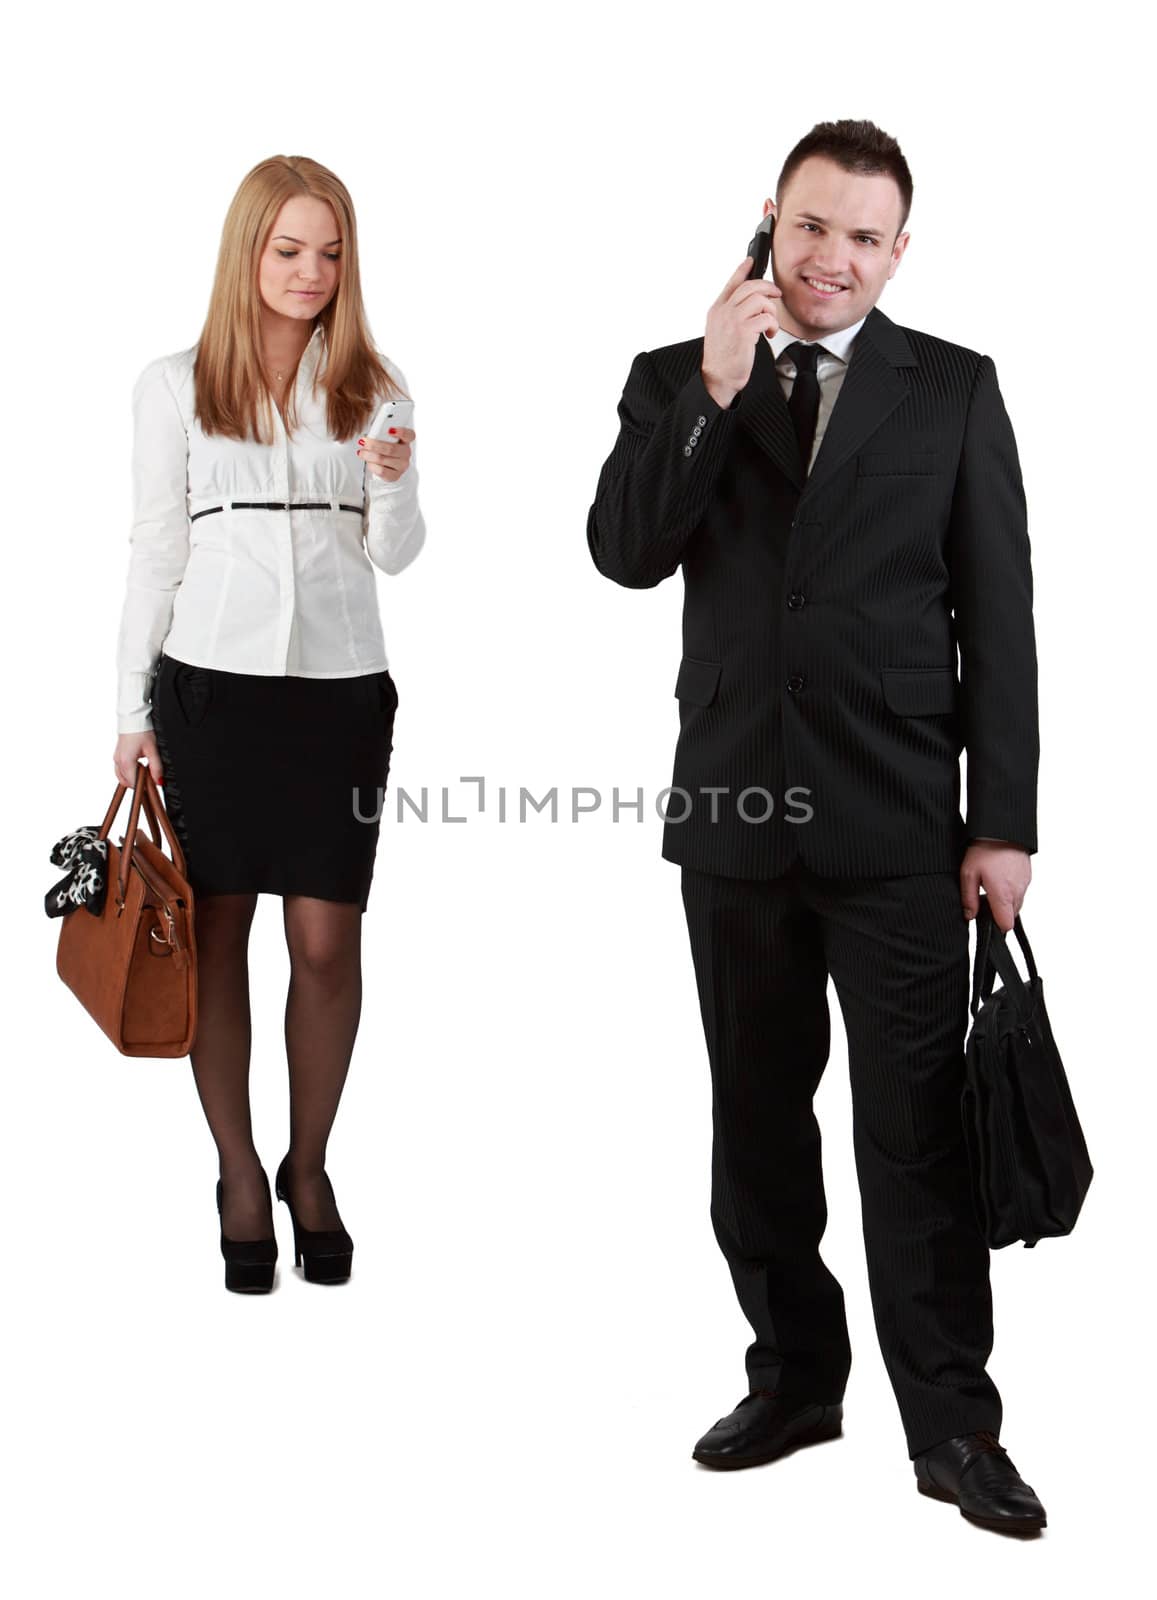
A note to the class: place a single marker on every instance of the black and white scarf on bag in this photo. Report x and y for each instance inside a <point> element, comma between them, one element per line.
<point>86,857</point>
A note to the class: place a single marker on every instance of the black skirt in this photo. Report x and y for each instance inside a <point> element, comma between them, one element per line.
<point>274,785</point>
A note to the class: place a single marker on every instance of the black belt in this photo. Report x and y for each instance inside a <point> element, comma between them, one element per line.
<point>275,505</point>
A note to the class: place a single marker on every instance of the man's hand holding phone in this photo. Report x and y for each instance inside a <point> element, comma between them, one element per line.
<point>739,318</point>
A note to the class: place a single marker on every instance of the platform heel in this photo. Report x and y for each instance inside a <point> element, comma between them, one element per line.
<point>249,1263</point>
<point>325,1254</point>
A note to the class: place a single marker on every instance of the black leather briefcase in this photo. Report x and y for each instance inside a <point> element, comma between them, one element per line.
<point>1030,1165</point>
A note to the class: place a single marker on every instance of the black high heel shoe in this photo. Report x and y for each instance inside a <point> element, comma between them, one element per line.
<point>249,1263</point>
<point>327,1253</point>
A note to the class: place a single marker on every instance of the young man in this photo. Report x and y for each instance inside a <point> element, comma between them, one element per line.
<point>844,498</point>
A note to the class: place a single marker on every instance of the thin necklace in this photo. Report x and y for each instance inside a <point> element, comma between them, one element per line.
<point>279,376</point>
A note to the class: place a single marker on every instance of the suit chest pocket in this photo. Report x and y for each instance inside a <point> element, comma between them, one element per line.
<point>900,463</point>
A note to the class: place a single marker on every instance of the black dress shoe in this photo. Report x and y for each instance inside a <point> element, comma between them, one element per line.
<point>975,1472</point>
<point>249,1263</point>
<point>324,1254</point>
<point>764,1425</point>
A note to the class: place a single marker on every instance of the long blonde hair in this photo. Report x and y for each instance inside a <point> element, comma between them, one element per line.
<point>232,395</point>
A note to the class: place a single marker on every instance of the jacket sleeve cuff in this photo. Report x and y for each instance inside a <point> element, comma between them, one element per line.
<point>1021,838</point>
<point>701,424</point>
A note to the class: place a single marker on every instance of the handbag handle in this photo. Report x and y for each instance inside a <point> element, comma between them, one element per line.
<point>158,814</point>
<point>146,798</point>
<point>993,958</point>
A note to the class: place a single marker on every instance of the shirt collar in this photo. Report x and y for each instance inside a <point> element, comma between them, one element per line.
<point>312,354</point>
<point>838,344</point>
<point>315,339</point>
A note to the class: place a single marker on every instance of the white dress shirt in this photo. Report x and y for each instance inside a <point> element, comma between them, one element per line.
<point>273,592</point>
<point>831,366</point>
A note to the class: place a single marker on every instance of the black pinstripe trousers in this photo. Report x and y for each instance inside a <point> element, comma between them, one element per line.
<point>897,952</point>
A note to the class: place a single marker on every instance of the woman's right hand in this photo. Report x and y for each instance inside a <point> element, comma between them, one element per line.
<point>388,458</point>
<point>127,755</point>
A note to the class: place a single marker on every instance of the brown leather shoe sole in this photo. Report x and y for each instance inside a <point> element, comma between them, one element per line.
<point>1019,1527</point>
<point>829,1428</point>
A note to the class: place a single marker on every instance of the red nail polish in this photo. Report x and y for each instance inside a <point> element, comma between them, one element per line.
<point>361,441</point>
<point>393,430</point>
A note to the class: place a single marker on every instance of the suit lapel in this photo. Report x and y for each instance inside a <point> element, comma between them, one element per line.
<point>871,390</point>
<point>873,387</point>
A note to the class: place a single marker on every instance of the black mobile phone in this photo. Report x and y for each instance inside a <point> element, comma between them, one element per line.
<point>760,247</point>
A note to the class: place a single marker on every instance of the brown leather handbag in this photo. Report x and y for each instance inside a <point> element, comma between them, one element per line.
<point>134,967</point>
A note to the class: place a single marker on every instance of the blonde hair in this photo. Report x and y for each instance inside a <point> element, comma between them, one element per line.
<point>232,395</point>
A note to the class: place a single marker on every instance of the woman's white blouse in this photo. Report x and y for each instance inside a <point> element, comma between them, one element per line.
<point>247,590</point>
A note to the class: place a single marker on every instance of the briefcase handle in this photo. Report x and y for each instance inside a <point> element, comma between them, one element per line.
<point>994,957</point>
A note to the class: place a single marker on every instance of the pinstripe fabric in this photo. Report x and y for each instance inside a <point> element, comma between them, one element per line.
<point>897,952</point>
<point>823,612</point>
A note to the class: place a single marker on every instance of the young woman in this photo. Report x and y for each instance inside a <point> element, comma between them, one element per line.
<point>252,670</point>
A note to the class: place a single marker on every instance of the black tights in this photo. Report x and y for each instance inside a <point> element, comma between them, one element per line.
<point>322,1011</point>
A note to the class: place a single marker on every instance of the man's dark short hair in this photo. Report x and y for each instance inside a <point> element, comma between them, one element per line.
<point>857,147</point>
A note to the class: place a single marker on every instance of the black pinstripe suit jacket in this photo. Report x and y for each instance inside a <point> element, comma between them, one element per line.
<point>819,696</point>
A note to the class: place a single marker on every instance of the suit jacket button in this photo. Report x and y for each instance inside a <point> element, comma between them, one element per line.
<point>702,422</point>
<point>696,430</point>
<point>795,682</point>
<point>686,449</point>
<point>794,601</point>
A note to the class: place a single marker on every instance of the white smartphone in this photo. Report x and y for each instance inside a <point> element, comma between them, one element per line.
<point>391,414</point>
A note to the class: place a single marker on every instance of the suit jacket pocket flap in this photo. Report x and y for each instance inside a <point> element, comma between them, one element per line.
<point>920,691</point>
<point>697,681</point>
<point>885,463</point>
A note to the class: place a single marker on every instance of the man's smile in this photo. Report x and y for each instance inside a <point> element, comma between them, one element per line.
<point>825,288</point>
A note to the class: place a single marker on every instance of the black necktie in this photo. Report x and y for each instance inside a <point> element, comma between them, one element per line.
<point>804,404</point>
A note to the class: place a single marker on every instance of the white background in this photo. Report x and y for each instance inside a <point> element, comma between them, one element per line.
<point>540,1324</point>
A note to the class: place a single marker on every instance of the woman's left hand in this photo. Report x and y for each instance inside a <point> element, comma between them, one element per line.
<point>388,458</point>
